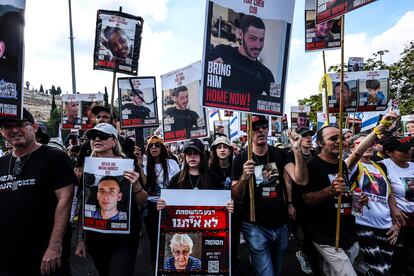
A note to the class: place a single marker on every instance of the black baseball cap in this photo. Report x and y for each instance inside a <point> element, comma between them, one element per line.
<point>256,119</point>
<point>399,144</point>
<point>194,144</point>
<point>98,108</point>
<point>305,130</point>
<point>27,116</point>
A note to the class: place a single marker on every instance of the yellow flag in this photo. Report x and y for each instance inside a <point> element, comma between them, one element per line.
<point>328,86</point>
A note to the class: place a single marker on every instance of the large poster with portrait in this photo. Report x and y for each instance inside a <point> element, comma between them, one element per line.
<point>183,116</point>
<point>323,36</point>
<point>11,58</point>
<point>300,117</point>
<point>245,58</point>
<point>363,91</point>
<point>138,98</point>
<point>221,128</point>
<point>276,126</point>
<point>329,9</point>
<point>117,42</point>
<point>107,195</point>
<point>194,236</point>
<point>407,122</point>
<point>77,110</point>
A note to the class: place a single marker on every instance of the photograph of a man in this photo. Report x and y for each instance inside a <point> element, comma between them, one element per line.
<point>184,118</point>
<point>108,195</point>
<point>348,95</point>
<point>301,121</point>
<point>181,246</point>
<point>247,72</point>
<point>116,45</point>
<point>135,107</point>
<point>72,113</point>
<point>324,31</point>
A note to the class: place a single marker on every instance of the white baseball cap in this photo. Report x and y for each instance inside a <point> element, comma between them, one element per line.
<point>103,127</point>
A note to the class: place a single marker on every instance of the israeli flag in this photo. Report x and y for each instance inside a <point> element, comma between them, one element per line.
<point>369,120</point>
<point>234,127</point>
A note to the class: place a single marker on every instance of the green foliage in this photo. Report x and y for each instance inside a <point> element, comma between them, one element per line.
<point>53,104</point>
<point>53,123</point>
<point>41,89</point>
<point>58,90</point>
<point>52,90</point>
<point>315,102</point>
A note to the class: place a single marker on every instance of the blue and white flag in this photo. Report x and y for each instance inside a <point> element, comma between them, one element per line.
<point>369,120</point>
<point>234,127</point>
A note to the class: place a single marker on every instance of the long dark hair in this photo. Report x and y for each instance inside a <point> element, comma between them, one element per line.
<point>214,159</point>
<point>151,176</point>
<point>185,175</point>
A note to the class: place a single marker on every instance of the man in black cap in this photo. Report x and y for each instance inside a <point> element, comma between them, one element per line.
<point>135,109</point>
<point>36,189</point>
<point>267,235</point>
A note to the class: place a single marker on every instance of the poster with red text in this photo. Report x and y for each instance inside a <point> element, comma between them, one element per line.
<point>194,236</point>
<point>107,195</point>
<point>245,58</point>
<point>77,110</point>
<point>183,116</point>
<point>328,9</point>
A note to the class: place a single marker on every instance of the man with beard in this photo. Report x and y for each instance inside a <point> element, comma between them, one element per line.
<point>248,74</point>
<point>184,118</point>
<point>267,236</point>
<point>117,44</point>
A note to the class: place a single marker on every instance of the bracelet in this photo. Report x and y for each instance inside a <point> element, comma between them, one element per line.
<point>378,133</point>
<point>386,123</point>
<point>137,192</point>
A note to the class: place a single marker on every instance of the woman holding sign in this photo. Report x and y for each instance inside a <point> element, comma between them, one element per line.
<point>113,254</point>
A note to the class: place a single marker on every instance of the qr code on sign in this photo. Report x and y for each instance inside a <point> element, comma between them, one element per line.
<point>213,266</point>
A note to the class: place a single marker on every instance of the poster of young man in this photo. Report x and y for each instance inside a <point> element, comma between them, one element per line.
<point>138,98</point>
<point>246,49</point>
<point>89,101</point>
<point>183,116</point>
<point>106,195</point>
<point>328,9</point>
<point>300,117</point>
<point>194,236</point>
<point>276,126</point>
<point>243,121</point>
<point>323,36</point>
<point>117,42</point>
<point>373,90</point>
<point>407,122</point>
<point>71,111</point>
<point>221,128</point>
<point>11,58</point>
<point>355,64</point>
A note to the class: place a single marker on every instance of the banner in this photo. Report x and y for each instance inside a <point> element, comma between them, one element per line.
<point>363,91</point>
<point>138,98</point>
<point>245,58</point>
<point>183,116</point>
<point>355,64</point>
<point>276,126</point>
<point>117,42</point>
<point>194,236</point>
<point>221,128</point>
<point>107,195</point>
<point>328,9</point>
<point>407,122</point>
<point>300,117</point>
<point>323,36</point>
<point>77,110</point>
<point>11,58</point>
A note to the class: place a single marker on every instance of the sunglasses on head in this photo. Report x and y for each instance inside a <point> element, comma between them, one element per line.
<point>257,127</point>
<point>100,135</point>
<point>157,145</point>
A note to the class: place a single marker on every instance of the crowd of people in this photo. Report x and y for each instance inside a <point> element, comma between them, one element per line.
<point>296,190</point>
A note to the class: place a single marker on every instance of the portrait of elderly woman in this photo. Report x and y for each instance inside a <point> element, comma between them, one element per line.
<point>181,246</point>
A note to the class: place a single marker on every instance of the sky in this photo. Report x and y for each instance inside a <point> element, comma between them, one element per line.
<point>173,37</point>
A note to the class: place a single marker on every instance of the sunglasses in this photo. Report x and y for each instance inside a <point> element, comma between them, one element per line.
<point>333,138</point>
<point>157,145</point>
<point>257,127</point>
<point>102,116</point>
<point>17,124</point>
<point>308,134</point>
<point>100,135</point>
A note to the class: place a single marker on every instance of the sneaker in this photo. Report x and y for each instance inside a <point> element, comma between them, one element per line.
<point>304,264</point>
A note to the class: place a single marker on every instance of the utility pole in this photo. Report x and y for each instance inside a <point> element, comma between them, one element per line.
<point>72,56</point>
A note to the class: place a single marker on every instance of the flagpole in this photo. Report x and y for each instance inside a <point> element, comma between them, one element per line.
<point>325,87</point>
<point>341,105</point>
<point>250,157</point>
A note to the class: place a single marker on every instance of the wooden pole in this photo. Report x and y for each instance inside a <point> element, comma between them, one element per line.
<point>341,107</point>
<point>113,95</point>
<point>325,88</point>
<point>250,157</point>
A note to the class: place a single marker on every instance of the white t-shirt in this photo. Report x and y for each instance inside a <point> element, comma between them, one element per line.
<point>173,169</point>
<point>402,184</point>
<point>376,187</point>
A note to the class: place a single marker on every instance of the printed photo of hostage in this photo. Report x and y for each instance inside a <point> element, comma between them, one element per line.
<point>349,96</point>
<point>71,115</point>
<point>184,251</point>
<point>373,93</point>
<point>244,67</point>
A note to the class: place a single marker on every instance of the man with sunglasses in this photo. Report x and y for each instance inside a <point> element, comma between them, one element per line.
<point>36,189</point>
<point>267,236</point>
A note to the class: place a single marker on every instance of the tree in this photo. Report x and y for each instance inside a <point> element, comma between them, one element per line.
<point>315,103</point>
<point>27,85</point>
<point>58,90</point>
<point>53,104</point>
<point>106,101</point>
<point>53,90</point>
<point>41,89</point>
<point>53,123</point>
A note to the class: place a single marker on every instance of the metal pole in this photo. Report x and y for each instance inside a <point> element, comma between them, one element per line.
<point>325,86</point>
<point>250,157</point>
<point>72,55</point>
<point>341,107</point>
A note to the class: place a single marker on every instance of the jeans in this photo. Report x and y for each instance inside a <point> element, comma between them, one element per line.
<point>267,247</point>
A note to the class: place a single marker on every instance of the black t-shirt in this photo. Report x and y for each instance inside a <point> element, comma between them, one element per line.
<point>194,182</point>
<point>270,205</point>
<point>141,112</point>
<point>28,201</point>
<point>322,217</point>
<point>222,176</point>
<point>246,75</point>
<point>183,119</point>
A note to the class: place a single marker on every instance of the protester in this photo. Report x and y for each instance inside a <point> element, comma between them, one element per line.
<point>36,186</point>
<point>220,162</point>
<point>346,138</point>
<point>267,237</point>
<point>158,170</point>
<point>112,254</point>
<point>236,149</point>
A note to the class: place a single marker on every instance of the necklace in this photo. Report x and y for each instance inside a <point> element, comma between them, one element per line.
<point>18,165</point>
<point>191,182</point>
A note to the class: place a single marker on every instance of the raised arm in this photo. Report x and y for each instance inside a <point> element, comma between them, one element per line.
<point>298,171</point>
